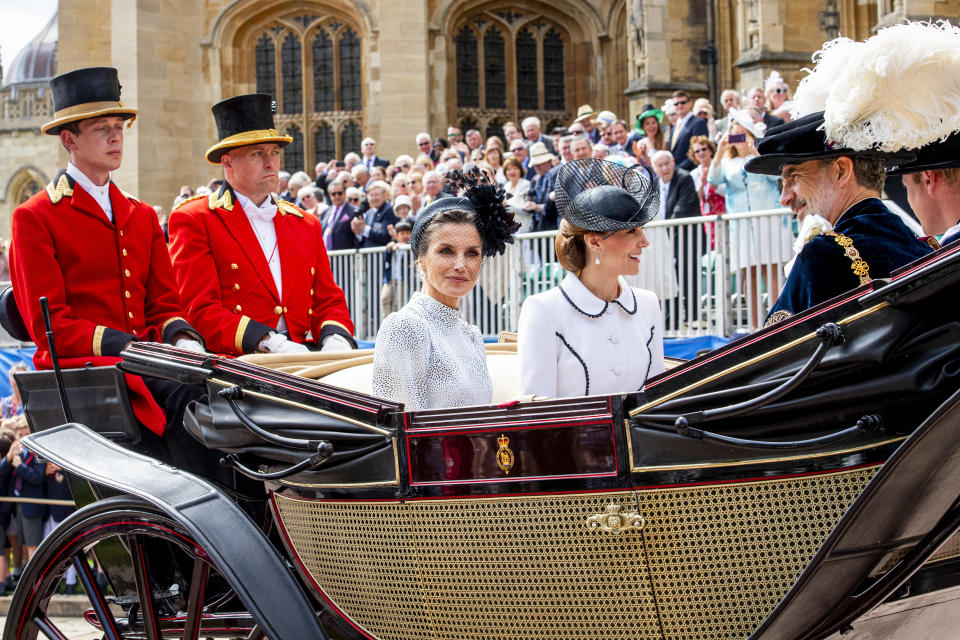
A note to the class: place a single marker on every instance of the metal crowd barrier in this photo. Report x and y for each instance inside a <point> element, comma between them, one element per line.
<point>714,275</point>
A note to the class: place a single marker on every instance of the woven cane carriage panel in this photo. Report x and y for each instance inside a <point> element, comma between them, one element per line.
<point>477,569</point>
<point>722,556</point>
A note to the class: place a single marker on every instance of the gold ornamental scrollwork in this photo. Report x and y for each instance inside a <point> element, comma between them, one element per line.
<point>614,521</point>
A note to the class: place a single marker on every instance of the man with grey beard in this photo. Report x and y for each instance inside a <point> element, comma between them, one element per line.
<point>843,186</point>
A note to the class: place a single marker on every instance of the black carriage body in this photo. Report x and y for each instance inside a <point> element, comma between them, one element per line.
<point>598,516</point>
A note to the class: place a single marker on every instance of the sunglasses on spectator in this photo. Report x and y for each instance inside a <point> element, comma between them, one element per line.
<point>703,114</point>
<point>780,90</point>
<point>700,150</point>
<point>515,149</point>
<point>425,143</point>
<point>453,135</point>
<point>353,199</point>
<point>335,193</point>
<point>680,103</point>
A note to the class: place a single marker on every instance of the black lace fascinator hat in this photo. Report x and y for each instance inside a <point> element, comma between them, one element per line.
<point>604,196</point>
<point>486,201</point>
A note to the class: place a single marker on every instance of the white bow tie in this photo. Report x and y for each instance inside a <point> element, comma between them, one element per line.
<point>266,213</point>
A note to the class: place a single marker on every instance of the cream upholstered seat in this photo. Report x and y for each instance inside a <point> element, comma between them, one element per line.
<point>354,369</point>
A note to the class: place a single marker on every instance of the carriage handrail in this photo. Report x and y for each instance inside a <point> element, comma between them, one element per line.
<point>829,334</point>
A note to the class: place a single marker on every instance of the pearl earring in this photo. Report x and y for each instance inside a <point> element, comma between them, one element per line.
<point>597,261</point>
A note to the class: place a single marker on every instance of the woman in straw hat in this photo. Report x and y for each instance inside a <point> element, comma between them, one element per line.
<point>427,356</point>
<point>594,334</point>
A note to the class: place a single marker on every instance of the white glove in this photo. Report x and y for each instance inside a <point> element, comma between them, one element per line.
<point>278,343</point>
<point>190,345</point>
<point>336,342</point>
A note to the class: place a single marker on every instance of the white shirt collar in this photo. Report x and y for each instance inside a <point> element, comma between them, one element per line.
<point>581,299</point>
<point>100,193</point>
<point>952,230</point>
<point>265,210</point>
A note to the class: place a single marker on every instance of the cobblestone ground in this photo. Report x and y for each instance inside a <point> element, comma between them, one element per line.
<point>74,628</point>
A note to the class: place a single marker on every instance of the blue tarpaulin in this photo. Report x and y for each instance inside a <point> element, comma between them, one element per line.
<point>8,358</point>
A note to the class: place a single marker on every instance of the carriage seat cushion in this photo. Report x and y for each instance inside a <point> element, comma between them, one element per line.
<point>503,371</point>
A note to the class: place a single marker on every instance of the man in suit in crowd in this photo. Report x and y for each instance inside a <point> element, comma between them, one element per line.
<point>253,270</point>
<point>758,100</point>
<point>375,229</point>
<point>335,223</point>
<point>729,99</point>
<point>678,199</point>
<point>370,160</point>
<point>542,206</point>
<point>688,125</point>
<point>533,133</point>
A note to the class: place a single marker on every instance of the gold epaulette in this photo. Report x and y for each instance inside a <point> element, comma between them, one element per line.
<point>858,265</point>
<point>62,188</point>
<point>290,208</point>
<point>190,199</point>
<point>221,200</point>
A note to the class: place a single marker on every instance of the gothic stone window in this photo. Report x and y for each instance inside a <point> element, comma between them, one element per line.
<point>509,65</point>
<point>313,66</point>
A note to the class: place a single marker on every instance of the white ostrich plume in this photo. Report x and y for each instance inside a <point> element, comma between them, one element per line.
<point>900,89</point>
<point>829,62</point>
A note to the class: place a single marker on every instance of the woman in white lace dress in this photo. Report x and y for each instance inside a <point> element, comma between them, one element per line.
<point>427,356</point>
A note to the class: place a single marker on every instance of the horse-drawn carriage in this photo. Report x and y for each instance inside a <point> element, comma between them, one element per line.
<point>794,483</point>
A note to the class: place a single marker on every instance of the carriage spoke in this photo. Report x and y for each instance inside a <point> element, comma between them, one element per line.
<point>47,628</point>
<point>107,622</point>
<point>141,572</point>
<point>198,588</point>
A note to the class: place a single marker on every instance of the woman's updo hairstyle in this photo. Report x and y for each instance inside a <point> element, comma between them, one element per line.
<point>571,247</point>
<point>480,204</point>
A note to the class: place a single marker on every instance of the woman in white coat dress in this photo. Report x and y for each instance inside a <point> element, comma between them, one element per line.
<point>593,334</point>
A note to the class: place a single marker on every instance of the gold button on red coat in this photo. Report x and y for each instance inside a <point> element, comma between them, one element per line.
<point>126,272</point>
<point>124,253</point>
<point>234,266</point>
<point>126,294</point>
<point>237,309</point>
<point>311,291</point>
<point>278,309</point>
<point>236,287</point>
<point>130,314</point>
<point>313,271</point>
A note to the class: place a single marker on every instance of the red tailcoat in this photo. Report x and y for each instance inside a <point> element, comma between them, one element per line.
<point>226,283</point>
<point>107,282</point>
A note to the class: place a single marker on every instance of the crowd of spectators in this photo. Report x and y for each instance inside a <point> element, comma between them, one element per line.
<point>361,197</point>
<point>25,477</point>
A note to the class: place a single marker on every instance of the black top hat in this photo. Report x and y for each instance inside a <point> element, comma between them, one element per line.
<point>92,92</point>
<point>802,140</point>
<point>940,154</point>
<point>242,121</point>
<point>602,196</point>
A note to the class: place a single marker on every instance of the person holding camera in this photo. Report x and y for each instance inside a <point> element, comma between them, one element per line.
<point>757,246</point>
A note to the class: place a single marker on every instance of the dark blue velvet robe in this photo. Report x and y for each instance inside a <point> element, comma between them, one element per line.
<point>823,271</point>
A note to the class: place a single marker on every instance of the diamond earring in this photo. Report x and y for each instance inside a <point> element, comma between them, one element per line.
<point>597,261</point>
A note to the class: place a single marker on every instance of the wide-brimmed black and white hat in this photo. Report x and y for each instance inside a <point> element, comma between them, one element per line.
<point>804,139</point>
<point>602,196</point>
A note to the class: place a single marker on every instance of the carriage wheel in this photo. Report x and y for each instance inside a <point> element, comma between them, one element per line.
<point>161,584</point>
